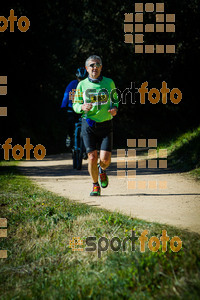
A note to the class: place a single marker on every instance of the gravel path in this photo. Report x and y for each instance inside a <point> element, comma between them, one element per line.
<point>178,204</point>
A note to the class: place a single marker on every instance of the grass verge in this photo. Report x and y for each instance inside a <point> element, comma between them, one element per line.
<point>41,265</point>
<point>184,152</point>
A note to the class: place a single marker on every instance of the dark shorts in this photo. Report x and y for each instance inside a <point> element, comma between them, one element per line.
<point>97,137</point>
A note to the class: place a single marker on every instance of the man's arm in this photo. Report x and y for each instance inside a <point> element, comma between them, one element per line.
<point>113,111</point>
<point>78,100</point>
<point>78,104</point>
<point>114,100</point>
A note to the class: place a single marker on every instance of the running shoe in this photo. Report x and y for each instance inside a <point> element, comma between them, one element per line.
<point>96,191</point>
<point>103,178</point>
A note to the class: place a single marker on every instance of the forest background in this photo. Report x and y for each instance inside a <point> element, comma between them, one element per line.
<point>41,62</point>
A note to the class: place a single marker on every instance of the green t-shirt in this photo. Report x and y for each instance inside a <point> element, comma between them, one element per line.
<point>102,95</point>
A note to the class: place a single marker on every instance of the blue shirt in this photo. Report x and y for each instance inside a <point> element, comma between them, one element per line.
<point>66,102</point>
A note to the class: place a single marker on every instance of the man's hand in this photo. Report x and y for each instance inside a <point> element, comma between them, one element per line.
<point>86,106</point>
<point>113,111</point>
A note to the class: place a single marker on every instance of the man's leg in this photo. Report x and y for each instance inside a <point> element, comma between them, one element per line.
<point>105,159</point>
<point>93,170</point>
<point>92,165</point>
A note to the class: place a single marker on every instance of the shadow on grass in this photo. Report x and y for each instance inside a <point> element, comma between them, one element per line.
<point>186,156</point>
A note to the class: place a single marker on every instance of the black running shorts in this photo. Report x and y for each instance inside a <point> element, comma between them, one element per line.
<point>97,137</point>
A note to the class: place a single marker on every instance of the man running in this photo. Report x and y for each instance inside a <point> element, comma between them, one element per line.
<point>96,99</point>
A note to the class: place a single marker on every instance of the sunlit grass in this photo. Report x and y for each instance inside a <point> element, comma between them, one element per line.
<point>184,152</point>
<point>41,265</point>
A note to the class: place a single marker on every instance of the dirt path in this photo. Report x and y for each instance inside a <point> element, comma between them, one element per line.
<point>178,204</point>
